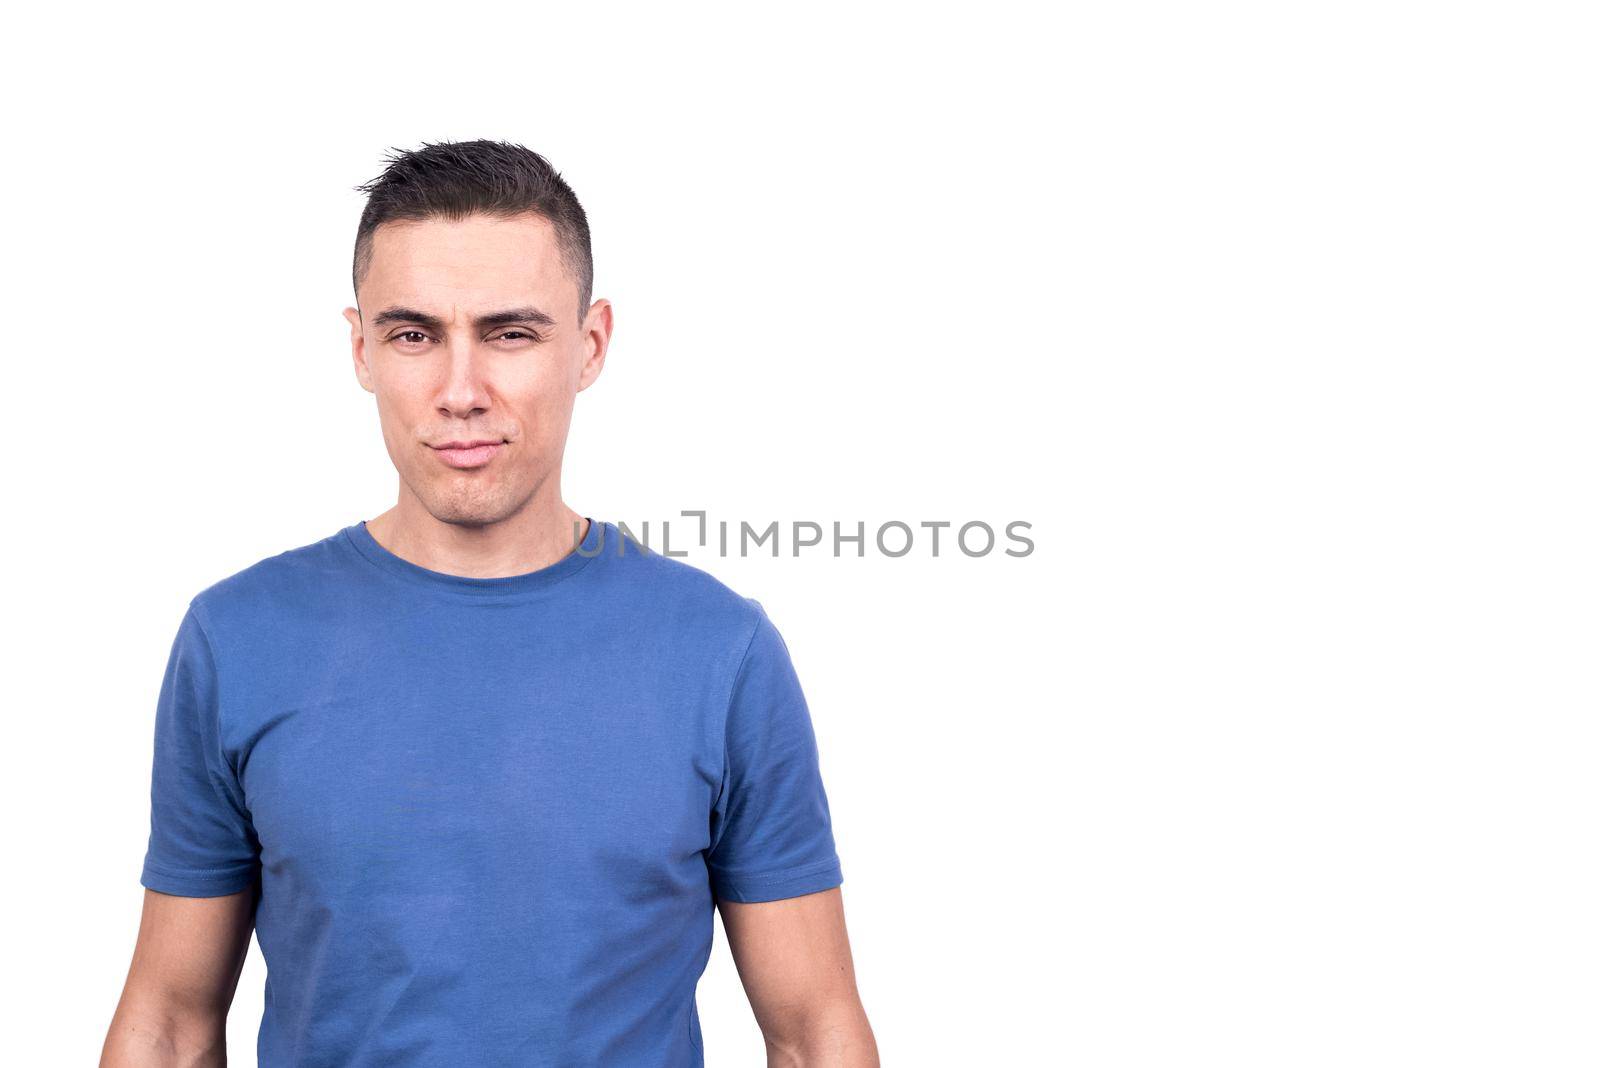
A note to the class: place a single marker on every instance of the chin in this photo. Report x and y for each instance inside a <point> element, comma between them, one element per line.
<point>470,510</point>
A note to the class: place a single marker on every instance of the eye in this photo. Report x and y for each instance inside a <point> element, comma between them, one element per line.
<point>410,337</point>
<point>519,335</point>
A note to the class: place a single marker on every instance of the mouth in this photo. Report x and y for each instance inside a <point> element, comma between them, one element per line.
<point>468,454</point>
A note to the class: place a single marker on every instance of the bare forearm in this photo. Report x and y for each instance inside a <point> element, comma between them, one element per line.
<point>160,1040</point>
<point>842,1039</point>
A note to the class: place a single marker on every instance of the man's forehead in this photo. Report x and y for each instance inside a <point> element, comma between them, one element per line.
<point>451,306</point>
<point>462,244</point>
<point>479,263</point>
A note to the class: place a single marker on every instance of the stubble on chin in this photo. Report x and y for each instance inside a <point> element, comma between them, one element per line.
<point>470,504</point>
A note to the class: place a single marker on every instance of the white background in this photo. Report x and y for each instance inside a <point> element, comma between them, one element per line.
<point>1277,322</point>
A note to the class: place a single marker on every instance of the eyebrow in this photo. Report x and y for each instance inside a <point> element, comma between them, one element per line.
<point>529,315</point>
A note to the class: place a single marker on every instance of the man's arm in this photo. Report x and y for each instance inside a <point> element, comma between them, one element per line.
<point>793,956</point>
<point>186,964</point>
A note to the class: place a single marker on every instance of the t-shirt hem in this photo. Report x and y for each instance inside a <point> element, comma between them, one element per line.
<point>773,886</point>
<point>195,884</point>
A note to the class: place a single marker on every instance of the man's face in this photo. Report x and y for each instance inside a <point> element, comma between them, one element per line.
<point>468,333</point>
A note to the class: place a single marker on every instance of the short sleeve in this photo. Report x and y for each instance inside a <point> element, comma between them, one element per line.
<point>201,843</point>
<point>772,836</point>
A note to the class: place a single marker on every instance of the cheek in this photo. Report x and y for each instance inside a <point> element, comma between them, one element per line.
<point>544,398</point>
<point>394,409</point>
<point>543,415</point>
<point>402,413</point>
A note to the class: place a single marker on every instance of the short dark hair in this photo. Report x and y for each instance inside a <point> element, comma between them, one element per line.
<point>455,179</point>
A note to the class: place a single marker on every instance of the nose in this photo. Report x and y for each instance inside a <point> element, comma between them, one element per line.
<point>464,391</point>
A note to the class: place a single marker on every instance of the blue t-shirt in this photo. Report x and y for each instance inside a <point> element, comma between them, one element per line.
<point>488,816</point>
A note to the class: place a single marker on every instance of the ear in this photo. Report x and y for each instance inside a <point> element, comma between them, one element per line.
<point>596,340</point>
<point>358,350</point>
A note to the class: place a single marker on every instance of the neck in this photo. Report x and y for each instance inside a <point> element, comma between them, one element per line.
<point>531,538</point>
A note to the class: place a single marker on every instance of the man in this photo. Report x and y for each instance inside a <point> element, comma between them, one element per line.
<point>476,779</point>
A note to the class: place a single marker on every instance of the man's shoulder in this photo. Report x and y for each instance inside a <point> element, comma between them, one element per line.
<point>686,590</point>
<point>284,580</point>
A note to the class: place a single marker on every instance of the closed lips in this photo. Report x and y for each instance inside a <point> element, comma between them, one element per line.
<point>466,455</point>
